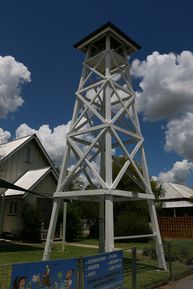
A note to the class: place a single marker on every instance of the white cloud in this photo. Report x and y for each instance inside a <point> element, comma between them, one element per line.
<point>4,136</point>
<point>13,75</point>
<point>166,84</point>
<point>179,173</point>
<point>52,140</point>
<point>179,136</point>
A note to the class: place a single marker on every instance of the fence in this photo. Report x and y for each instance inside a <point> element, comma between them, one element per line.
<point>5,276</point>
<point>44,232</point>
<point>176,227</point>
<point>135,270</point>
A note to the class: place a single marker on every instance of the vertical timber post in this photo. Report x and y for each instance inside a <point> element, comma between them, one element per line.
<point>63,172</point>
<point>102,200</point>
<point>51,230</point>
<point>151,206</point>
<point>101,225</point>
<point>134,267</point>
<point>109,223</point>
<point>64,225</point>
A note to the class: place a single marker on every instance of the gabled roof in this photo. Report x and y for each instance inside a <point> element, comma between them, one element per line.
<point>171,191</point>
<point>28,181</point>
<point>8,149</point>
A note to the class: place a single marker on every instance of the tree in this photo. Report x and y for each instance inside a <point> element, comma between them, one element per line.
<point>130,180</point>
<point>131,217</point>
<point>73,223</point>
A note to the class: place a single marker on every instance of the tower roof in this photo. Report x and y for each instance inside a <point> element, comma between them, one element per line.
<point>130,44</point>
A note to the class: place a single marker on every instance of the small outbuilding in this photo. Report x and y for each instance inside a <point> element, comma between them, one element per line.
<point>176,213</point>
<point>25,163</point>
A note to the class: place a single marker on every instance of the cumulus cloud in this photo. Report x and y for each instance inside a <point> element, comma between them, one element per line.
<point>179,136</point>
<point>52,140</point>
<point>166,86</point>
<point>179,173</point>
<point>13,75</point>
<point>4,136</point>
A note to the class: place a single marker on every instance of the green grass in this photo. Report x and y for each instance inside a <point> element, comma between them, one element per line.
<point>18,252</point>
<point>148,276</point>
<point>180,242</point>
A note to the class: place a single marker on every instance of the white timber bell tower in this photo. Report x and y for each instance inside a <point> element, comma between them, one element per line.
<point>105,126</point>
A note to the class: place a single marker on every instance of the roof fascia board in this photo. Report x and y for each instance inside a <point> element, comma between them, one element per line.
<point>108,27</point>
<point>34,136</point>
<point>38,181</point>
<point>123,40</point>
<point>46,156</point>
<point>17,148</point>
<point>95,37</point>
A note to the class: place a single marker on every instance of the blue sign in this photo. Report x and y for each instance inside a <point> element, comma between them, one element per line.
<point>56,274</point>
<point>104,271</point>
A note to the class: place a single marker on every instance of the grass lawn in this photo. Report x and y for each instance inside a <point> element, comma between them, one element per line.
<point>18,252</point>
<point>147,274</point>
<point>122,245</point>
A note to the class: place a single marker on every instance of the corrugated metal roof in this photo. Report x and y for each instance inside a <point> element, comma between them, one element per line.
<point>178,204</point>
<point>27,181</point>
<point>175,191</point>
<point>6,149</point>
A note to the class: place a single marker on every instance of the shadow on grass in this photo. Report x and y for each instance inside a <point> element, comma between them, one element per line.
<point>141,267</point>
<point>14,247</point>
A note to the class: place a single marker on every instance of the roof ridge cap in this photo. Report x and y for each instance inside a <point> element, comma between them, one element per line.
<point>16,139</point>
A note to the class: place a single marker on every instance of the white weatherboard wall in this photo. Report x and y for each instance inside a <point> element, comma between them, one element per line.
<point>11,223</point>
<point>16,165</point>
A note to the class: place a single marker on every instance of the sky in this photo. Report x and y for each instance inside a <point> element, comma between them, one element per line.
<point>40,72</point>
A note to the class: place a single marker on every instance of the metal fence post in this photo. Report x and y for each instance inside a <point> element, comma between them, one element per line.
<point>170,261</point>
<point>134,268</point>
<point>81,270</point>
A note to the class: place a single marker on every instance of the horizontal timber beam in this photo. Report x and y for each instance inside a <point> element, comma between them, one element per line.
<point>134,237</point>
<point>99,192</point>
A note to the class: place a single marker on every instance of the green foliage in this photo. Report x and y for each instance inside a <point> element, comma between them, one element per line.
<point>90,212</point>
<point>156,189</point>
<point>182,253</point>
<point>127,225</point>
<point>73,223</point>
<point>132,217</point>
<point>76,185</point>
<point>130,181</point>
<point>75,218</point>
<point>31,223</point>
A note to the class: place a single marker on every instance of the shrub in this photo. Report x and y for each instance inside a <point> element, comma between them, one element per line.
<point>131,223</point>
<point>31,223</point>
<point>181,253</point>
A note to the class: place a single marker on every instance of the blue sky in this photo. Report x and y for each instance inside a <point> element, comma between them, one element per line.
<point>41,34</point>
